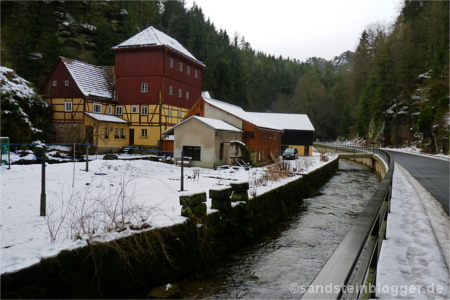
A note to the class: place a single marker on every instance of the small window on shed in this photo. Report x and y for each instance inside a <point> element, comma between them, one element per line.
<point>55,83</point>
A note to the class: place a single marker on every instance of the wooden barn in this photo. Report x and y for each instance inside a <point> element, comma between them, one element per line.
<point>262,138</point>
<point>298,131</point>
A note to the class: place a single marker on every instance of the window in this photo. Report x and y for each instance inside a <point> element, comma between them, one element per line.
<point>181,67</point>
<point>169,113</point>
<point>110,109</point>
<point>192,151</point>
<point>171,63</point>
<point>249,135</point>
<point>180,93</point>
<point>116,133</point>
<point>196,74</point>
<point>144,132</point>
<point>144,110</point>
<point>170,90</point>
<point>97,108</point>
<point>106,133</point>
<point>188,70</point>
<point>66,83</point>
<point>179,114</point>
<point>144,87</point>
<point>134,109</point>
<point>119,110</point>
<point>55,83</point>
<point>68,106</point>
<point>122,133</point>
<point>187,95</point>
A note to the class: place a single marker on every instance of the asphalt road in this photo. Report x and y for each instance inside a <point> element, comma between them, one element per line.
<point>433,174</point>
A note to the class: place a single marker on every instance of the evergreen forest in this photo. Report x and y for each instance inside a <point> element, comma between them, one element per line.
<point>392,90</point>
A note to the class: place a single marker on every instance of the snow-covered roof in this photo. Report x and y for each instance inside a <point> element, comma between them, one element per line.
<point>214,123</point>
<point>105,118</point>
<point>287,121</point>
<point>238,112</point>
<point>153,37</point>
<point>92,80</point>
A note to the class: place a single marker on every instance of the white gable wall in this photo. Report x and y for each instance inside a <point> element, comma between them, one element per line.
<point>214,113</point>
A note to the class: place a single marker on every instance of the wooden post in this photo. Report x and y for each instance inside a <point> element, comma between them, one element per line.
<point>182,171</point>
<point>43,195</point>
<point>87,158</point>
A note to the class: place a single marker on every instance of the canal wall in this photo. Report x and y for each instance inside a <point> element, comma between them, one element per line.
<point>130,267</point>
<point>374,162</point>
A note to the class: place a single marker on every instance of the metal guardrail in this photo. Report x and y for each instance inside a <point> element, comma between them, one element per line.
<point>359,147</point>
<point>350,272</point>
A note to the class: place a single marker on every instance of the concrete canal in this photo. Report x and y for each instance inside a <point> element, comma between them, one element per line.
<point>293,251</point>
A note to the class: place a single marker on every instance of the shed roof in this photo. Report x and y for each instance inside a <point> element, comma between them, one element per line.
<point>287,121</point>
<point>153,37</point>
<point>91,80</point>
<point>238,112</point>
<point>105,118</point>
<point>214,123</point>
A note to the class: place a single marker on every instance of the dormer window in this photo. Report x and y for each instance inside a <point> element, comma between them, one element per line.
<point>144,88</point>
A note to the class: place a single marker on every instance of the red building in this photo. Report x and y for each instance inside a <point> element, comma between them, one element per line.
<point>153,85</point>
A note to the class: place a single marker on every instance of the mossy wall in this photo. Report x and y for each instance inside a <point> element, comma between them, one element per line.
<point>131,266</point>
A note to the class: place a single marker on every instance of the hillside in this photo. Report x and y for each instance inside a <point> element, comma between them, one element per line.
<point>375,91</point>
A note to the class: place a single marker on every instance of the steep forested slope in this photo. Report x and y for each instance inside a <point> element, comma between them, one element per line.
<point>393,88</point>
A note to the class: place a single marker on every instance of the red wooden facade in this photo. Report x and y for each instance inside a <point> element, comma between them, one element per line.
<point>159,68</point>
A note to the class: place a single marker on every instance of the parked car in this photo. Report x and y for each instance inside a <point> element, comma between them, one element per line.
<point>110,156</point>
<point>290,153</point>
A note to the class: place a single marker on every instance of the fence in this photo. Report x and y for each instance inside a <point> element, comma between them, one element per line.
<point>350,272</point>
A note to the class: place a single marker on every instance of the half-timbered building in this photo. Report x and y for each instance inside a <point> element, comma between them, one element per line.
<point>153,85</point>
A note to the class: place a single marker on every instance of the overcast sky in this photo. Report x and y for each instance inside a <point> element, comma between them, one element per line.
<point>299,28</point>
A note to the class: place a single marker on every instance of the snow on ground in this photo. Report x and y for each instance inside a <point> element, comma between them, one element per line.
<point>113,195</point>
<point>416,251</point>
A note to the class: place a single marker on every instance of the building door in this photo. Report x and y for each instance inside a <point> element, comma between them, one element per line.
<point>306,150</point>
<point>131,137</point>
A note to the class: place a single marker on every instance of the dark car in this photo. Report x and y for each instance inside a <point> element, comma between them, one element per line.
<point>110,156</point>
<point>290,153</point>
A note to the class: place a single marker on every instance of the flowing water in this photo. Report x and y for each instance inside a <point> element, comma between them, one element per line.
<point>294,250</point>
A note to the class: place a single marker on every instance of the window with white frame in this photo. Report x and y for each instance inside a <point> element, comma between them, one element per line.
<point>55,83</point>
<point>110,109</point>
<point>66,83</point>
<point>170,90</point>
<point>188,70</point>
<point>119,110</point>
<point>134,109</point>
<point>181,67</point>
<point>180,93</point>
<point>97,108</point>
<point>171,63</point>
<point>187,95</point>
<point>169,113</point>
<point>144,110</point>
<point>122,133</point>
<point>144,87</point>
<point>116,133</point>
<point>67,106</point>
<point>106,133</point>
<point>144,132</point>
<point>179,114</point>
<point>196,74</point>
